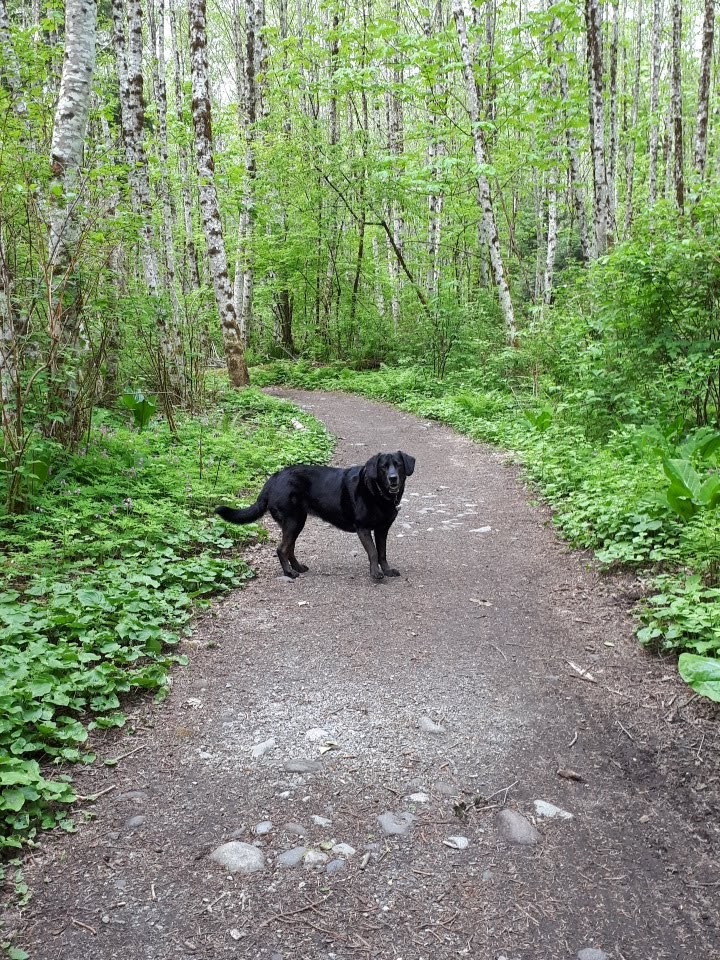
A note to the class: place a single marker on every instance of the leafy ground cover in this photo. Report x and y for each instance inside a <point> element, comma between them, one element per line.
<point>639,497</point>
<point>101,578</point>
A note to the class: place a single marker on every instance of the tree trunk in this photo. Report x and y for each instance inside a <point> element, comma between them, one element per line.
<point>576,181</point>
<point>678,171</point>
<point>9,64</point>
<point>630,134</point>
<point>613,145</point>
<point>66,150</point>
<point>485,200</point>
<point>209,207</point>
<point>701,127</point>
<point>655,68</point>
<point>601,193</point>
<point>191,274</point>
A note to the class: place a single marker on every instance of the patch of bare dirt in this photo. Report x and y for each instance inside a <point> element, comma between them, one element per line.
<point>523,659</point>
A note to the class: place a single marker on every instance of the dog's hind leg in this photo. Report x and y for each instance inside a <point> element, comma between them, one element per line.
<point>291,530</point>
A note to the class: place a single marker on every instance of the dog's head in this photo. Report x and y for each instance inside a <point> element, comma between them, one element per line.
<point>388,471</point>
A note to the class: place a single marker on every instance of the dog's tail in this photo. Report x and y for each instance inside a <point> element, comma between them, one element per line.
<point>245,514</point>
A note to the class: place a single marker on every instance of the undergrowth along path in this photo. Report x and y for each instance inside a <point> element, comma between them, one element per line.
<point>499,670</point>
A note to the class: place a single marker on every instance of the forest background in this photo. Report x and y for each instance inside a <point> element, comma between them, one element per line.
<point>505,216</point>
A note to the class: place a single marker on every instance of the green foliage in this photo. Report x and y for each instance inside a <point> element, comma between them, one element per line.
<point>101,579</point>
<point>143,408</point>
<point>702,674</point>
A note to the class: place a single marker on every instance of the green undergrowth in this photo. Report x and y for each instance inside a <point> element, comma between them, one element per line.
<point>640,496</point>
<point>102,575</point>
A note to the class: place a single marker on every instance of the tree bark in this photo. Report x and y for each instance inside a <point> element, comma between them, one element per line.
<point>630,146</point>
<point>576,180</point>
<point>485,200</point>
<point>209,207</point>
<point>678,167</point>
<point>614,140</point>
<point>601,193</point>
<point>655,68</point>
<point>701,127</point>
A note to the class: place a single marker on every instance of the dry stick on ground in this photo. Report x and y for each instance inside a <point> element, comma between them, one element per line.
<point>92,797</point>
<point>79,923</point>
<point>124,756</point>
<point>283,917</point>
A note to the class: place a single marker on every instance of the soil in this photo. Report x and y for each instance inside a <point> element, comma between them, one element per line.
<point>490,633</point>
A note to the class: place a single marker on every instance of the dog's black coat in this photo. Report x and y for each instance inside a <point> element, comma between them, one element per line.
<point>361,499</point>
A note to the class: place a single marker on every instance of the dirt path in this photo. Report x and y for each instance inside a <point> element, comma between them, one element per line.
<point>476,637</point>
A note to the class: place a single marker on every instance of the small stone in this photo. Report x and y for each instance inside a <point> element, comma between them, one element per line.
<point>396,824</point>
<point>446,789</point>
<point>134,822</point>
<point>544,809</point>
<point>302,766</point>
<point>296,829</point>
<point>336,866</point>
<point>516,829</point>
<point>343,850</point>
<point>487,876</point>
<point>260,749</point>
<point>457,843</point>
<point>236,934</point>
<point>238,857</point>
<point>321,821</point>
<point>314,858</point>
<point>316,735</point>
<point>418,797</point>
<point>262,828</point>
<point>114,835</point>
<point>429,726</point>
<point>592,953</point>
<point>291,858</point>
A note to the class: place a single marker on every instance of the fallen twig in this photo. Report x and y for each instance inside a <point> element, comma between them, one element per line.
<point>584,674</point>
<point>626,732</point>
<point>574,740</point>
<point>92,797</point>
<point>79,923</point>
<point>124,756</point>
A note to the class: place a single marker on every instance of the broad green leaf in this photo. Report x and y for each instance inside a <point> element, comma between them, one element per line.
<point>702,674</point>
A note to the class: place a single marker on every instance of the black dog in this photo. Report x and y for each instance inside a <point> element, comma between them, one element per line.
<point>360,499</point>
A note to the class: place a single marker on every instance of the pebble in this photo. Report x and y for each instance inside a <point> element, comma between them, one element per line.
<point>591,953</point>
<point>260,749</point>
<point>487,876</point>
<point>316,735</point>
<point>457,843</point>
<point>236,934</point>
<point>335,866</point>
<point>544,809</point>
<point>418,797</point>
<point>343,850</point>
<point>396,824</point>
<point>239,857</point>
<point>516,829</point>
<point>314,858</point>
<point>445,789</point>
<point>302,766</point>
<point>263,828</point>
<point>134,822</point>
<point>429,726</point>
<point>296,829</point>
<point>291,858</point>
<point>321,821</point>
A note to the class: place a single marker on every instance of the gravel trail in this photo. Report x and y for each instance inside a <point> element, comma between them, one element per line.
<point>412,769</point>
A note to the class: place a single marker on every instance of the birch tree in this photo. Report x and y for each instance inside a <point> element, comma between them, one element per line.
<point>677,120</point>
<point>484,197</point>
<point>209,207</point>
<point>601,192</point>
<point>701,126</point>
<point>655,67</point>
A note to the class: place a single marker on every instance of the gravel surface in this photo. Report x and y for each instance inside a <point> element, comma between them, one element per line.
<point>378,744</point>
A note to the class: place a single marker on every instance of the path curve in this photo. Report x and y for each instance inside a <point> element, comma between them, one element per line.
<point>476,637</point>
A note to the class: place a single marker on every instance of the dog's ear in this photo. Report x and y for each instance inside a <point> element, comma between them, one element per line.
<point>408,463</point>
<point>371,468</point>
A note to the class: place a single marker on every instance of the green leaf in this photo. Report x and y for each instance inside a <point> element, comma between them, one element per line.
<point>702,674</point>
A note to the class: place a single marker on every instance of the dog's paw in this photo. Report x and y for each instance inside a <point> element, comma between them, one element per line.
<point>390,572</point>
<point>377,575</point>
<point>301,568</point>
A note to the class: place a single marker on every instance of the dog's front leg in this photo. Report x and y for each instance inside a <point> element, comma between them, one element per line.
<point>367,541</point>
<point>381,541</point>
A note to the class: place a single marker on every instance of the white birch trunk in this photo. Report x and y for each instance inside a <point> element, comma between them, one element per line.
<point>8,355</point>
<point>192,271</point>
<point>655,68</point>
<point>9,63</point>
<point>678,167</point>
<point>66,151</point>
<point>614,140</point>
<point>701,126</point>
<point>630,146</point>
<point>485,200</point>
<point>601,193</point>
<point>209,207</point>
